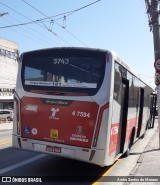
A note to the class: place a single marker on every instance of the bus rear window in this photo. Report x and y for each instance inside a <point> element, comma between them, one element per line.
<point>70,73</point>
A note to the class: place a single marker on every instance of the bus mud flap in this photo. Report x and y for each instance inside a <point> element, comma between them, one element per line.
<point>92,155</point>
<point>19,142</point>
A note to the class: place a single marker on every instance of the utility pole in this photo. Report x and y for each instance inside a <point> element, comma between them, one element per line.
<point>153,16</point>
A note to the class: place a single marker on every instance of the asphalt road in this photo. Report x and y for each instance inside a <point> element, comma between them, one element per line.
<point>16,162</point>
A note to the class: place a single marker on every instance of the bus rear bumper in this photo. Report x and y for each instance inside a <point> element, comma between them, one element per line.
<point>78,153</point>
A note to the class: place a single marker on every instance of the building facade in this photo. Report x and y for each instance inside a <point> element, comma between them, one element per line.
<point>8,72</point>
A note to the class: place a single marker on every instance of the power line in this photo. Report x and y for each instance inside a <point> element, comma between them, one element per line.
<point>33,7</point>
<point>40,20</point>
<point>15,11</point>
<point>31,22</point>
<point>63,27</point>
<point>28,19</point>
<point>34,35</point>
<point>69,12</point>
<point>83,7</point>
<point>43,36</point>
<point>71,34</point>
<point>21,33</point>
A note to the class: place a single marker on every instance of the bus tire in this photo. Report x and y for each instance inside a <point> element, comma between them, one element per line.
<point>149,122</point>
<point>147,127</point>
<point>142,136</point>
<point>126,154</point>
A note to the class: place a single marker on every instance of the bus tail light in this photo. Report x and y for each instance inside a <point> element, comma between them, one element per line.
<point>17,105</point>
<point>99,123</point>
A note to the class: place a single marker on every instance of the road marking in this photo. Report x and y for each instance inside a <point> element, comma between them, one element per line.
<point>12,167</point>
<point>106,173</point>
<point>5,141</point>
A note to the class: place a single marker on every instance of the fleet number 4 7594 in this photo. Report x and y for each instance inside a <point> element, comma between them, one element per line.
<point>81,114</point>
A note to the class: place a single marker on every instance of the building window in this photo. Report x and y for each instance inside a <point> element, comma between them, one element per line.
<point>9,54</point>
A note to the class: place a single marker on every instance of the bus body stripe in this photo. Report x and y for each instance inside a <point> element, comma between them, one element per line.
<point>18,115</point>
<point>105,106</point>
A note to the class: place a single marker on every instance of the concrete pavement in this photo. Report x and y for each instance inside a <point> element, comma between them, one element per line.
<point>6,126</point>
<point>147,168</point>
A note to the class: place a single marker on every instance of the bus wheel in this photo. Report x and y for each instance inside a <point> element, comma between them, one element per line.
<point>142,136</point>
<point>126,154</point>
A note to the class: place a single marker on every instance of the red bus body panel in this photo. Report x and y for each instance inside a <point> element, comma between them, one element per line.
<point>58,121</point>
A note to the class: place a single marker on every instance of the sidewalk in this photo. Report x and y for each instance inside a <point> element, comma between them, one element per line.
<point>148,164</point>
<point>6,126</point>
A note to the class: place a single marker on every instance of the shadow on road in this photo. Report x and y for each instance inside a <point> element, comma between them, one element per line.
<point>50,168</point>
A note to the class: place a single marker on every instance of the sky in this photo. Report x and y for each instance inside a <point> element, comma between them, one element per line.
<point>121,26</point>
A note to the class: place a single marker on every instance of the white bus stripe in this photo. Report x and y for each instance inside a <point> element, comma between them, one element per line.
<point>12,167</point>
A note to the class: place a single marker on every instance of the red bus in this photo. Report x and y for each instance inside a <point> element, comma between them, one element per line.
<point>80,103</point>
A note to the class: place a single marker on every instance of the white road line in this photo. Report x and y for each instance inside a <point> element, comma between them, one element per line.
<point>12,167</point>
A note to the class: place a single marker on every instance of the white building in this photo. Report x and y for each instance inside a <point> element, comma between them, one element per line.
<point>8,72</point>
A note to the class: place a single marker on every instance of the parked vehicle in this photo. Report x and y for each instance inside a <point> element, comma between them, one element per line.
<point>6,114</point>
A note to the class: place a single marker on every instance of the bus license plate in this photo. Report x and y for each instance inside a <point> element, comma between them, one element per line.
<point>54,149</point>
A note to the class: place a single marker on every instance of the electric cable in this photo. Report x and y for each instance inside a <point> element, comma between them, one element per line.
<point>40,39</point>
<point>64,27</point>
<point>30,22</point>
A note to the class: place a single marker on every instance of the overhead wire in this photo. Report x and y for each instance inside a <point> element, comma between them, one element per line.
<point>33,7</point>
<point>63,27</point>
<point>69,12</point>
<point>30,22</point>
<point>81,8</point>
<point>21,33</point>
<point>39,20</point>
<point>71,34</point>
<point>55,34</point>
<point>44,36</point>
<point>30,33</point>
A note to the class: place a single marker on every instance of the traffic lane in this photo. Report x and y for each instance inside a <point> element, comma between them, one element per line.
<point>5,143</point>
<point>11,156</point>
<point>47,165</point>
<point>5,134</point>
<point>5,139</point>
<point>63,168</point>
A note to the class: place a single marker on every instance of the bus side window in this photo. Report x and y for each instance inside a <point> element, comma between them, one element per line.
<point>117,83</point>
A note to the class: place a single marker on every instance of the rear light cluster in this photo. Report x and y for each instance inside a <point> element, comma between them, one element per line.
<point>17,108</point>
<point>105,106</point>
